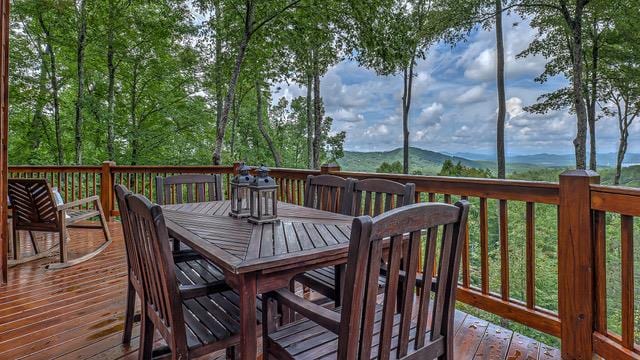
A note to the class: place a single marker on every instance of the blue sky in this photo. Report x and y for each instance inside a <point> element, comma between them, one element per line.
<point>454,101</point>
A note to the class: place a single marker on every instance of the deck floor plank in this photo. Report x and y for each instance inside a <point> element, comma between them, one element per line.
<point>78,312</point>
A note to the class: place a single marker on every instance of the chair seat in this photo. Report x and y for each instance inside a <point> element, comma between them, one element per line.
<point>323,280</point>
<point>213,321</point>
<point>305,339</point>
<point>197,272</point>
<point>77,215</point>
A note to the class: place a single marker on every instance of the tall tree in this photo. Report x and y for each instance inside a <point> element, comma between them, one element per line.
<point>251,25</point>
<point>81,10</point>
<point>502,100</point>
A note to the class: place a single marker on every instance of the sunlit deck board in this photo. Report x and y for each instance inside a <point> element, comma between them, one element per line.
<point>77,313</point>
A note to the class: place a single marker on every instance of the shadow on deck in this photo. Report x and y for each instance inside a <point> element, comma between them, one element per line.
<point>78,313</point>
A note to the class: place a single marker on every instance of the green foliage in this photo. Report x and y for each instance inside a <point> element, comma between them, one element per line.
<point>390,168</point>
<point>459,170</point>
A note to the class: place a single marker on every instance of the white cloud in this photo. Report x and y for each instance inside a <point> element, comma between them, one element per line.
<point>474,94</point>
<point>431,114</point>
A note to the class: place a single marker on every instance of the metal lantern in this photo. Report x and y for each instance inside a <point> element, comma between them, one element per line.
<point>240,192</point>
<point>264,198</point>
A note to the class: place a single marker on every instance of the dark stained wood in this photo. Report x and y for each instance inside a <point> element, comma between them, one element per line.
<point>530,270</point>
<point>627,281</point>
<point>34,209</point>
<point>484,247</point>
<point>504,249</point>
<point>600,248</point>
<point>329,192</point>
<point>575,292</point>
<point>192,322</point>
<point>188,188</point>
<point>4,137</point>
<point>76,313</point>
<point>366,328</point>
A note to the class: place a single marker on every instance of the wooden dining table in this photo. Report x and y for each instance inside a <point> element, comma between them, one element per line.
<point>260,258</point>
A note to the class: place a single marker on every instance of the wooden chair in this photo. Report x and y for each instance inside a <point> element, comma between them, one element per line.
<point>368,197</point>
<point>193,320</point>
<point>34,209</point>
<point>329,193</point>
<point>190,268</point>
<point>363,328</point>
<point>196,187</point>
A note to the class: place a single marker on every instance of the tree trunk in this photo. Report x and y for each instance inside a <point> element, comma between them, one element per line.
<point>234,112</point>
<point>135,142</point>
<point>242,49</point>
<point>111,93</point>
<point>311,162</point>
<point>218,67</point>
<point>591,113</point>
<point>263,129</point>
<point>406,107</point>
<point>575,24</point>
<point>82,41</point>
<point>622,149</point>
<point>502,107</point>
<point>54,90</point>
<point>317,114</point>
<point>38,121</point>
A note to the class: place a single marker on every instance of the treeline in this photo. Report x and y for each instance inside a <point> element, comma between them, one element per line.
<point>190,81</point>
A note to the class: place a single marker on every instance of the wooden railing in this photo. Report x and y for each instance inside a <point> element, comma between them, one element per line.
<point>555,228</point>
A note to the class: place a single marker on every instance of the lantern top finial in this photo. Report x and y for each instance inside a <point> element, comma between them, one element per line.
<point>244,169</point>
<point>263,180</point>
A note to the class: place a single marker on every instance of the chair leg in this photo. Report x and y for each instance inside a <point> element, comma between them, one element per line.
<point>16,244</point>
<point>146,338</point>
<point>268,323</point>
<point>103,222</point>
<point>36,248</point>
<point>176,245</point>
<point>231,353</point>
<point>63,243</point>
<point>129,313</point>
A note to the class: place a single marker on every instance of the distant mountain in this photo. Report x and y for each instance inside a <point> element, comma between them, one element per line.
<point>554,160</point>
<point>429,162</point>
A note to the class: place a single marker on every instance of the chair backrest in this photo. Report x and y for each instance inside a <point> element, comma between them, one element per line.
<point>376,196</point>
<point>188,188</point>
<point>162,300</point>
<point>369,237</point>
<point>329,193</point>
<point>132,258</point>
<point>33,205</point>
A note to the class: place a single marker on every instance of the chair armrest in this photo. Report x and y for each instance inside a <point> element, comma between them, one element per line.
<point>185,255</point>
<point>193,291</point>
<point>75,203</point>
<point>324,317</point>
<point>419,278</point>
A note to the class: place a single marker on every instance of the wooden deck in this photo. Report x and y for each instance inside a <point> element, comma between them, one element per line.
<point>77,313</point>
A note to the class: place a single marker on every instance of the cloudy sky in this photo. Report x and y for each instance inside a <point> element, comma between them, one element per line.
<point>454,102</point>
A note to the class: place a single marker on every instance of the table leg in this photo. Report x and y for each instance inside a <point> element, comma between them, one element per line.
<point>248,336</point>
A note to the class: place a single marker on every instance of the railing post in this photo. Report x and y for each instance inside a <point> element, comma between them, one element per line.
<point>236,166</point>
<point>106,188</point>
<point>575,264</point>
<point>329,168</point>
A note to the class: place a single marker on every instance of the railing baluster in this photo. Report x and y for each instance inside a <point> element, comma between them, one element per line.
<point>484,247</point>
<point>628,318</point>
<point>504,250</point>
<point>600,223</point>
<point>531,255</point>
<point>466,278</point>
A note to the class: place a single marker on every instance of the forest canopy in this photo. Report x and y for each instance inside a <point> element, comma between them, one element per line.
<point>194,81</point>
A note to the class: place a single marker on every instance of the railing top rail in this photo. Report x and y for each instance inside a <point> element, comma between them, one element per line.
<point>620,200</point>
<point>177,168</point>
<point>46,168</point>
<point>519,190</point>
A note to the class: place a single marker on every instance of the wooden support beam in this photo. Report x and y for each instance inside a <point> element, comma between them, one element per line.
<point>575,264</point>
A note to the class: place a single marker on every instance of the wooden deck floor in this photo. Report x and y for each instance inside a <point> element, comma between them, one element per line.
<point>77,313</point>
